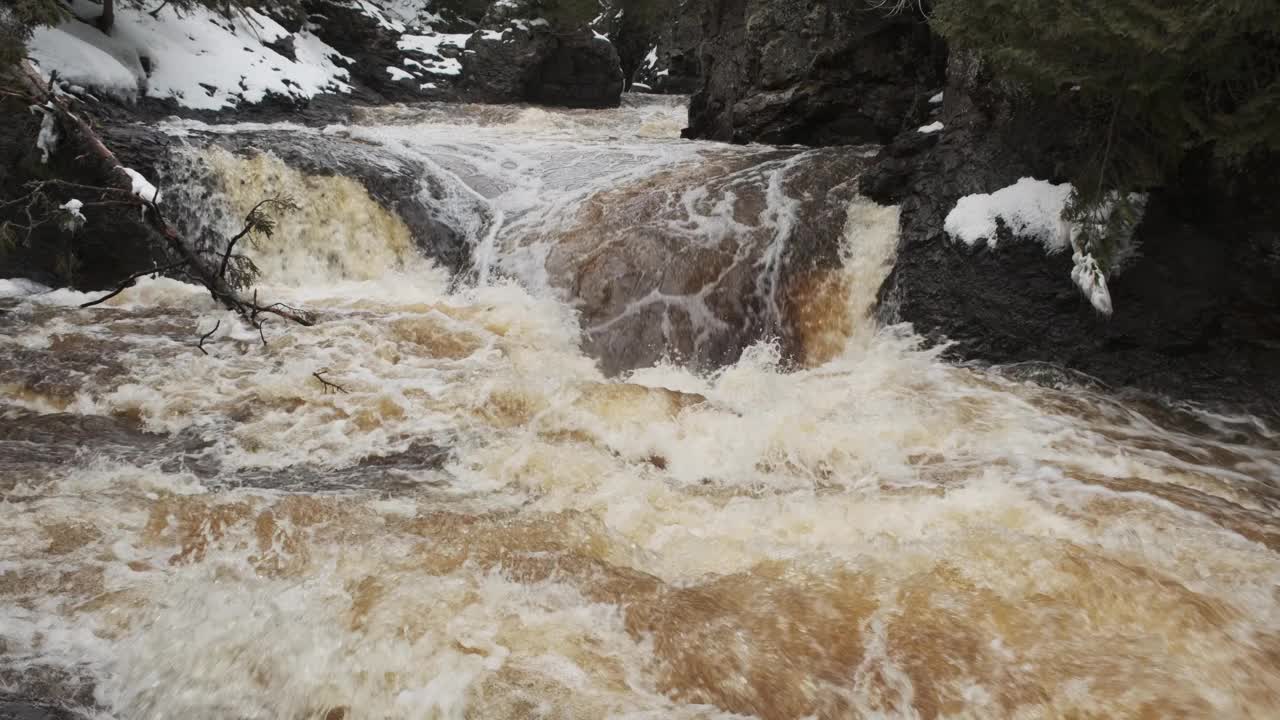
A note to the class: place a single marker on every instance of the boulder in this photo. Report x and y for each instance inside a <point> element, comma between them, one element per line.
<point>812,72</point>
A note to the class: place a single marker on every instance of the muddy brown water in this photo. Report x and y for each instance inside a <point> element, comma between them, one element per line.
<point>489,523</point>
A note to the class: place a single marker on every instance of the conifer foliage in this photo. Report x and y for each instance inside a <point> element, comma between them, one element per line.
<point>1163,78</point>
<point>18,18</point>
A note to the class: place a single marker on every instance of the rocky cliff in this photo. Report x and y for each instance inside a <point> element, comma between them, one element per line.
<point>1195,311</point>
<point>815,73</point>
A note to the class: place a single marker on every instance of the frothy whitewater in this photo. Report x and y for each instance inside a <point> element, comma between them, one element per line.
<point>489,523</point>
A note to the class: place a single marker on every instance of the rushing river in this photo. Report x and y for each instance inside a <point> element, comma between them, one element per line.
<point>645,459</point>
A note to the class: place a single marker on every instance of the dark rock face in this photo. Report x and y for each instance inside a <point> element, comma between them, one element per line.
<point>529,62</point>
<point>812,72</point>
<point>1196,315</point>
<point>371,37</point>
<point>113,244</point>
<point>662,55</point>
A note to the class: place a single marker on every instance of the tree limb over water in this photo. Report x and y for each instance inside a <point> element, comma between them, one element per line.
<point>225,275</point>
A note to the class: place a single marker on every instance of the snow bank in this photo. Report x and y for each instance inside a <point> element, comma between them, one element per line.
<point>1029,207</point>
<point>82,55</point>
<point>199,58</point>
<point>931,128</point>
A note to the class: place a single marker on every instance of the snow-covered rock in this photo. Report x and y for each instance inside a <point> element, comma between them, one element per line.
<point>1030,208</point>
<point>1036,209</point>
<point>401,50</point>
<point>83,56</point>
<point>198,58</point>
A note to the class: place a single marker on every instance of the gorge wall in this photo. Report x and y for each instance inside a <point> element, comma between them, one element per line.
<point>813,73</point>
<point>1196,311</point>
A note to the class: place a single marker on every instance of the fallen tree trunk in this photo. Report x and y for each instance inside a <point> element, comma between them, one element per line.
<point>209,270</point>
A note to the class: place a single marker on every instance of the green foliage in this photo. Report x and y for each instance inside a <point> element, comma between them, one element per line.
<point>18,18</point>
<point>1157,79</point>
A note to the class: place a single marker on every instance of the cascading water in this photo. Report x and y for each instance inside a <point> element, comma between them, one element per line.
<point>488,523</point>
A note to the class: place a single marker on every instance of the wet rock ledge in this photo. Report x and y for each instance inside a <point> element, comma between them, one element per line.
<point>1197,315</point>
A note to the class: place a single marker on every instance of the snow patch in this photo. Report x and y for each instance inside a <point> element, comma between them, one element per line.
<point>75,219</point>
<point>937,99</point>
<point>142,187</point>
<point>376,13</point>
<point>397,74</point>
<point>1029,207</point>
<point>931,128</point>
<point>438,62</point>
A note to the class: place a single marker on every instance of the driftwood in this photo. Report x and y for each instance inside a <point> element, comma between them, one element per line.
<point>328,386</point>
<point>210,270</point>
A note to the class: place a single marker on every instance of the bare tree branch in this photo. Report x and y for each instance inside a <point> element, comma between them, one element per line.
<point>326,385</point>
<point>128,283</point>
<point>206,336</point>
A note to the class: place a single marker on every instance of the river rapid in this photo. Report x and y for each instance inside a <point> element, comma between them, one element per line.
<point>649,457</point>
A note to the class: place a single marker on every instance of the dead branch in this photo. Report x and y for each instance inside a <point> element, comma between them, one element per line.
<point>129,282</point>
<point>327,386</point>
<point>206,336</point>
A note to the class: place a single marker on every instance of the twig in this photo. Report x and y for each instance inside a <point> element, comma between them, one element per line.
<point>328,386</point>
<point>129,281</point>
<point>206,336</point>
<point>231,244</point>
